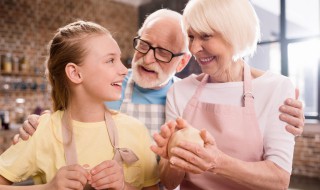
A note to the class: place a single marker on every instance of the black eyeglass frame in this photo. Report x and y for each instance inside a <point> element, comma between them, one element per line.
<point>135,39</point>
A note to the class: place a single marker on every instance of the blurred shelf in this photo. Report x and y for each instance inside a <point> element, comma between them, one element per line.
<point>22,74</point>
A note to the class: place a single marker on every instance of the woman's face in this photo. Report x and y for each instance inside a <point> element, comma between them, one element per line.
<point>211,51</point>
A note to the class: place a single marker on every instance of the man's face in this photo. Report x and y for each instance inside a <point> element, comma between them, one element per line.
<point>147,71</point>
<point>151,75</point>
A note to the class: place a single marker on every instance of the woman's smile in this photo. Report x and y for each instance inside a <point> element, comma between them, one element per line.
<point>206,60</point>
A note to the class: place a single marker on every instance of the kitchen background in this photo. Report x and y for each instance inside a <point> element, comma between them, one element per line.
<point>26,26</point>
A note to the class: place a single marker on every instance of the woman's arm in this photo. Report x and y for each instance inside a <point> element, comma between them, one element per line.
<point>254,175</point>
<point>193,158</point>
<point>170,176</point>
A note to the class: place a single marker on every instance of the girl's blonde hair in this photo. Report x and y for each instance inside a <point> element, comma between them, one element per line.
<point>67,47</point>
<point>235,20</point>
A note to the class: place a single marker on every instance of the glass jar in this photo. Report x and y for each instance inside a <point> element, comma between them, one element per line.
<point>7,63</point>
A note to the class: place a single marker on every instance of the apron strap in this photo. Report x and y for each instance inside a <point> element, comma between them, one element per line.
<point>196,95</point>
<point>128,91</point>
<point>120,154</point>
<point>194,99</point>
<point>247,87</point>
<point>69,146</point>
<point>70,151</point>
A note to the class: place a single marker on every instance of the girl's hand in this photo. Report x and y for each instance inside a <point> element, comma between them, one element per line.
<point>107,175</point>
<point>73,177</point>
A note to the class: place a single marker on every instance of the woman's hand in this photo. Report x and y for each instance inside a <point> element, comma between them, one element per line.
<point>191,157</point>
<point>72,177</point>
<point>162,139</point>
<point>107,175</point>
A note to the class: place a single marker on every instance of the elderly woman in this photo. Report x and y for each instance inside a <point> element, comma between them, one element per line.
<point>245,144</point>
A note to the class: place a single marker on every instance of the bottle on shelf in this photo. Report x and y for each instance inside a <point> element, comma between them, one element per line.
<point>24,65</point>
<point>5,119</point>
<point>15,64</point>
<point>7,63</point>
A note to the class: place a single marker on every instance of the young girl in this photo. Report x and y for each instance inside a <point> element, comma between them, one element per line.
<point>86,145</point>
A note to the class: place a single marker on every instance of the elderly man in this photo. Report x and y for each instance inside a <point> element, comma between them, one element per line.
<point>161,50</point>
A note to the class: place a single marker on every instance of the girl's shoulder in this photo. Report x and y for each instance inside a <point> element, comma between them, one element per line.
<point>45,121</point>
<point>50,124</point>
<point>45,117</point>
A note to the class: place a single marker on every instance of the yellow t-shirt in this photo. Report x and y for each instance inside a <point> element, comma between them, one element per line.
<point>43,154</point>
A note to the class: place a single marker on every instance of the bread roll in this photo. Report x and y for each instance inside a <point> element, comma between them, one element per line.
<point>189,134</point>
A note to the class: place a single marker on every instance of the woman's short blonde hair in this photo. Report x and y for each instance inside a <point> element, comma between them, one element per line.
<point>235,20</point>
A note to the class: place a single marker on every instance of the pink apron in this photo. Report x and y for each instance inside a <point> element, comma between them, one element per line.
<point>120,154</point>
<point>234,128</point>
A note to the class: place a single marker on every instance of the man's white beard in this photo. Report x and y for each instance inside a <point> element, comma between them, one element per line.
<point>147,82</point>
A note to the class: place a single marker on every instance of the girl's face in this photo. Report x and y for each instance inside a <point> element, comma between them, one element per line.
<point>102,69</point>
<point>211,51</point>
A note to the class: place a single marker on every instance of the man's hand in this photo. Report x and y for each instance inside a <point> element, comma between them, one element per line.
<point>292,114</point>
<point>29,126</point>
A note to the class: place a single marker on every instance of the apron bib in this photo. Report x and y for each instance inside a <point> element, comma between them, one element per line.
<point>120,154</point>
<point>235,129</point>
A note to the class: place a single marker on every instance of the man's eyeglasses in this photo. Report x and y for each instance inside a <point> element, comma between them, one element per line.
<point>160,54</point>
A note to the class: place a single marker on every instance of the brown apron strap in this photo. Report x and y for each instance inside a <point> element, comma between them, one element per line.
<point>248,97</point>
<point>120,154</point>
<point>70,151</point>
